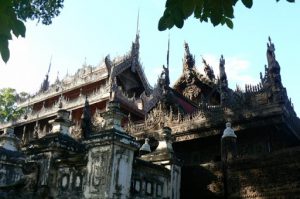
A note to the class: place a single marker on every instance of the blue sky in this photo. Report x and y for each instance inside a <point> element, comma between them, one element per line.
<point>91,29</point>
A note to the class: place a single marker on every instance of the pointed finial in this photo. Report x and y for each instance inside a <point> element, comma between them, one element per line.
<point>168,52</point>
<point>57,78</point>
<point>208,70</point>
<point>49,65</point>
<point>204,61</point>
<point>189,60</point>
<point>270,45</point>
<point>138,22</point>
<point>84,64</point>
<point>186,47</point>
<point>60,104</point>
<point>222,60</point>
<point>45,84</point>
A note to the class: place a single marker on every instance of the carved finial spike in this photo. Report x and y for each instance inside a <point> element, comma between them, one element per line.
<point>84,64</point>
<point>138,22</point>
<point>49,65</point>
<point>168,52</point>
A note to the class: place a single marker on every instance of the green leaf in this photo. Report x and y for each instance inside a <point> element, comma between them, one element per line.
<point>19,28</point>
<point>162,24</point>
<point>4,54</point>
<point>198,8</point>
<point>188,7</point>
<point>179,23</point>
<point>248,3</point>
<point>223,20</point>
<point>216,12</point>
<point>229,23</point>
<point>4,24</point>
<point>170,3</point>
<point>234,2</point>
<point>177,17</point>
<point>205,12</point>
<point>4,48</point>
<point>166,21</point>
<point>228,8</point>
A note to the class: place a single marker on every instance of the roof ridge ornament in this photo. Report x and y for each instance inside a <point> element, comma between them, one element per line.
<point>188,61</point>
<point>270,52</point>
<point>136,46</point>
<point>208,70</point>
<point>45,84</point>
<point>168,52</point>
<point>223,76</point>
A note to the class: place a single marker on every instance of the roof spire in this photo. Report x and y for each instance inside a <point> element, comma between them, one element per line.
<point>208,70</point>
<point>273,69</point>
<point>168,52</point>
<point>49,65</point>
<point>223,76</point>
<point>45,84</point>
<point>135,46</point>
<point>84,63</point>
<point>57,78</point>
<point>138,22</point>
<point>188,61</point>
<point>137,35</point>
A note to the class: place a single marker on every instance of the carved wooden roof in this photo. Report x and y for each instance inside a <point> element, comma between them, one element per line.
<point>194,85</point>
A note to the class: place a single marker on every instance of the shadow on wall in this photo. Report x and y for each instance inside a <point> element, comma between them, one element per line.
<point>201,182</point>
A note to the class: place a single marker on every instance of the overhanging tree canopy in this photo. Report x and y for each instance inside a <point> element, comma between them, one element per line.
<point>13,14</point>
<point>217,11</point>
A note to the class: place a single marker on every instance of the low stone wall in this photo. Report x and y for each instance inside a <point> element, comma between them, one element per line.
<point>149,181</point>
<point>273,175</point>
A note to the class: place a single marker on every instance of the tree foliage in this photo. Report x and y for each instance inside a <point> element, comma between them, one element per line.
<point>13,14</point>
<point>216,11</point>
<point>8,106</point>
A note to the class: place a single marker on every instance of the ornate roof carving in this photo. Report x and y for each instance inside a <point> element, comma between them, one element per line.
<point>98,95</point>
<point>129,61</point>
<point>83,76</point>
<point>208,70</point>
<point>191,83</point>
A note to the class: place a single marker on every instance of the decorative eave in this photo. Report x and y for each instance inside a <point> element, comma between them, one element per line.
<point>120,65</point>
<point>54,142</point>
<point>100,95</point>
<point>111,136</point>
<point>79,79</point>
<point>190,75</point>
<point>200,77</point>
<point>129,61</point>
<point>132,103</point>
<point>210,120</point>
<point>151,100</point>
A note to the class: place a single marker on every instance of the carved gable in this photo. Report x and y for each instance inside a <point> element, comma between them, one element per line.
<point>195,86</point>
